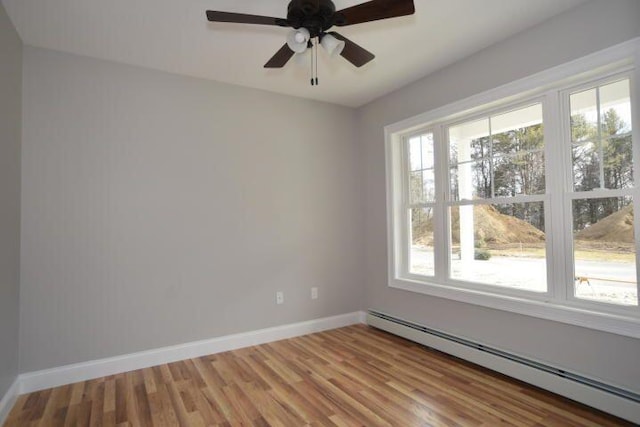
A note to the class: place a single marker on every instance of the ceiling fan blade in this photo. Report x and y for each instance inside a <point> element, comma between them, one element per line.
<point>280,58</point>
<point>373,11</point>
<point>353,53</point>
<point>242,18</point>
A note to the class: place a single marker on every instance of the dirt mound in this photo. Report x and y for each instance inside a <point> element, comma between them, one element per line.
<point>617,227</point>
<point>490,226</point>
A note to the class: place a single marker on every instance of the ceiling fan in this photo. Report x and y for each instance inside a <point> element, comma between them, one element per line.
<point>311,19</point>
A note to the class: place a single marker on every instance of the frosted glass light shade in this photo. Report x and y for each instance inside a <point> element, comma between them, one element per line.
<point>332,45</point>
<point>297,40</point>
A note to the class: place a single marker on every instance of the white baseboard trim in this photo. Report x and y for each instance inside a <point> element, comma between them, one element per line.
<point>8,400</point>
<point>40,380</point>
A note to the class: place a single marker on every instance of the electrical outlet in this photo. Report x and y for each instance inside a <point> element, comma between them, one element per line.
<point>279,297</point>
<point>314,293</point>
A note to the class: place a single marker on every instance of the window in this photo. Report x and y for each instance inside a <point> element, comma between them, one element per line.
<point>524,202</point>
<point>604,246</point>
<point>496,200</point>
<point>421,197</point>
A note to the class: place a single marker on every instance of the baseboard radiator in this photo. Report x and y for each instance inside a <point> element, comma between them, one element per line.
<point>614,400</point>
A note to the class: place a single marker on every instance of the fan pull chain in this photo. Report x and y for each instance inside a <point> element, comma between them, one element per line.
<point>314,69</point>
<point>317,43</point>
<point>311,46</point>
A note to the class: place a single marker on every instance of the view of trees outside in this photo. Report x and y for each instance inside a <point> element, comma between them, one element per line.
<point>501,244</point>
<point>602,156</point>
<point>502,156</point>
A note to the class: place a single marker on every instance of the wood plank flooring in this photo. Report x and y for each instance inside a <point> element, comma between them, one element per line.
<point>353,376</point>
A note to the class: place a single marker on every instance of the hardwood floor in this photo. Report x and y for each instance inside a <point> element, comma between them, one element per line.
<point>354,376</point>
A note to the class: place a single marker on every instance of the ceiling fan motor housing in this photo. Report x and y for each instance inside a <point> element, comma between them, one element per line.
<point>317,16</point>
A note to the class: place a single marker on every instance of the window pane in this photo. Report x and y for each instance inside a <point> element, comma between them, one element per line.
<point>586,166</point>
<point>522,118</point>
<point>422,186</point>
<point>469,141</point>
<point>618,162</point>
<point>415,153</point>
<point>500,245</point>
<point>602,157</point>
<point>615,108</point>
<point>421,174</point>
<point>604,250</point>
<point>428,186</point>
<point>584,115</point>
<point>471,180</point>
<point>416,187</point>
<point>427,151</point>
<point>519,174</point>
<point>421,259</point>
<point>507,162</point>
<point>421,152</point>
<point>453,183</point>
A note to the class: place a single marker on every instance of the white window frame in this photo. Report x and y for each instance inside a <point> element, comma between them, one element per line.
<point>550,88</point>
<point>571,195</point>
<point>405,221</point>
<point>544,198</point>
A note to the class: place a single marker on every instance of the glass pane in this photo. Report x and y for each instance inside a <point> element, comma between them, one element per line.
<point>453,182</point>
<point>615,108</point>
<point>522,118</point>
<point>471,180</point>
<point>584,115</point>
<point>507,162</point>
<point>618,162</point>
<point>415,153</point>
<point>428,186</point>
<point>421,175</point>
<point>604,250</point>
<point>500,245</point>
<point>422,186</point>
<point>586,166</point>
<point>469,141</point>
<point>416,187</point>
<point>603,159</point>
<point>427,151</point>
<point>524,136</point>
<point>421,152</point>
<point>421,258</point>
<point>520,174</point>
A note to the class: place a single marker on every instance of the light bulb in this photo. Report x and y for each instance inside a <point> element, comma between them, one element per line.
<point>297,40</point>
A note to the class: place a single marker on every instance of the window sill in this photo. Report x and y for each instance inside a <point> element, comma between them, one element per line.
<point>608,322</point>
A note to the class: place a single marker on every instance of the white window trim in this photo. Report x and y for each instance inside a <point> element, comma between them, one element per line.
<point>546,83</point>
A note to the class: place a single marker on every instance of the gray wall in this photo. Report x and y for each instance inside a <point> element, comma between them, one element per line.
<point>10,131</point>
<point>586,29</point>
<point>160,209</point>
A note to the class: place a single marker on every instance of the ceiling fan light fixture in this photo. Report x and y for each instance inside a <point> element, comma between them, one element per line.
<point>332,45</point>
<point>297,40</point>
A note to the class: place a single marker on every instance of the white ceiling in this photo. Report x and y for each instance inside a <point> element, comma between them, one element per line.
<point>174,36</point>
